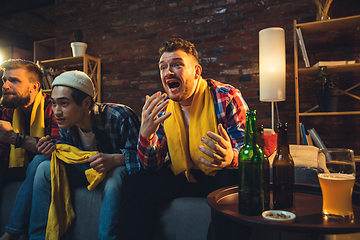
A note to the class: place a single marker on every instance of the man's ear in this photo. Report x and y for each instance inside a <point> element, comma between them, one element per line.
<point>87,102</point>
<point>35,86</point>
<point>198,70</point>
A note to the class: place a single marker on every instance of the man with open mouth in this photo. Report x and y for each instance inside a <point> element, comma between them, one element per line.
<point>191,136</point>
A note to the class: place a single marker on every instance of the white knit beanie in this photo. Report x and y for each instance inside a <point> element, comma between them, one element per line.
<point>75,79</point>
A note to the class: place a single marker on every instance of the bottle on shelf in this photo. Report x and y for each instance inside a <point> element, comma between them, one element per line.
<point>283,171</point>
<point>260,132</point>
<point>251,170</point>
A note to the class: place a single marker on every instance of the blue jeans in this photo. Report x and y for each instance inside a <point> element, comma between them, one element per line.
<point>110,205</point>
<point>20,216</point>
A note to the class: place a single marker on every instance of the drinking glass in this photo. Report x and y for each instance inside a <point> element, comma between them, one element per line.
<point>336,173</point>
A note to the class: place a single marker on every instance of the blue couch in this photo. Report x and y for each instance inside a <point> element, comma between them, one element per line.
<point>182,219</point>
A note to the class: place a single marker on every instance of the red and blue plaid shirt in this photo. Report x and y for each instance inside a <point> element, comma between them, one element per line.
<point>230,110</point>
<point>51,128</point>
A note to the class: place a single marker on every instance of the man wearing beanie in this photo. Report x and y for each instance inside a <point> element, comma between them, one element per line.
<point>109,130</point>
<point>26,118</point>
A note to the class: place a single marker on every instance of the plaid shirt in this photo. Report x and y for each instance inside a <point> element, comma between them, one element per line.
<point>116,129</point>
<point>230,109</point>
<point>51,128</point>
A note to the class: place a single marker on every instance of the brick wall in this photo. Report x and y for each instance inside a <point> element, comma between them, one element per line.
<point>127,34</point>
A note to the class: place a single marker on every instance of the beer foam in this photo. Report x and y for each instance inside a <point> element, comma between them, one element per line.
<point>336,176</point>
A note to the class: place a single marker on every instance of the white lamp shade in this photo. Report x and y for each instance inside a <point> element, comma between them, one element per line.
<point>272,64</point>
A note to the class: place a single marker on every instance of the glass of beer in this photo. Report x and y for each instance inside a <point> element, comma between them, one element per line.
<point>336,173</point>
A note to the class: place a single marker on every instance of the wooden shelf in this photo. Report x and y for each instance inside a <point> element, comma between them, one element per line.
<point>330,25</point>
<point>60,62</point>
<point>329,113</point>
<point>44,49</point>
<point>317,27</point>
<point>90,65</point>
<point>330,69</point>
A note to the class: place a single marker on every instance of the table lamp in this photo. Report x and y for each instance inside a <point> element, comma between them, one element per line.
<point>272,67</point>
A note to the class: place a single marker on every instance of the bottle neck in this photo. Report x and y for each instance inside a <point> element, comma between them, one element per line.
<point>260,132</point>
<point>282,141</point>
<point>251,137</point>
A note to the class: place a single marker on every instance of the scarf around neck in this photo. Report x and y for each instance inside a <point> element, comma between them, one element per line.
<point>184,152</point>
<point>18,156</point>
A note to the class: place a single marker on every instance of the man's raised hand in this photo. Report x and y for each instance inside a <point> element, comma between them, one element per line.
<point>149,116</point>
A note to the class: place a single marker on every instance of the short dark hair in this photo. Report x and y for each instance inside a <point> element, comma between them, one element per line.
<point>174,44</point>
<point>36,75</point>
<point>78,96</point>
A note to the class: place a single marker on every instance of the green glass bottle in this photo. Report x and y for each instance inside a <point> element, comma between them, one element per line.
<point>251,170</point>
<point>260,132</point>
<point>283,171</point>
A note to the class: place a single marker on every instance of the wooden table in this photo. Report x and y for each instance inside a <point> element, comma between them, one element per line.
<point>307,207</point>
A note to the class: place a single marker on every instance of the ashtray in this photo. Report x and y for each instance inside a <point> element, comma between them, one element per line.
<point>279,216</point>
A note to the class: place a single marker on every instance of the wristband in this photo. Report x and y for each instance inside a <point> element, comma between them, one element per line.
<point>22,140</point>
<point>19,140</point>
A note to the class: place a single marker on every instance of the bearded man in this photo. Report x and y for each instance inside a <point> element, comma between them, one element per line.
<point>27,116</point>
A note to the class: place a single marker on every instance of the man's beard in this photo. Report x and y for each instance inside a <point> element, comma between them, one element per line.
<point>15,102</point>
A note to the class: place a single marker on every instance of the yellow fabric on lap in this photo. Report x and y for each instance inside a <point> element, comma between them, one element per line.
<point>184,152</point>
<point>61,213</point>
<point>18,156</point>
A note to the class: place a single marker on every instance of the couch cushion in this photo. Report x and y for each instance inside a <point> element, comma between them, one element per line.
<point>7,198</point>
<point>86,205</point>
<point>183,219</point>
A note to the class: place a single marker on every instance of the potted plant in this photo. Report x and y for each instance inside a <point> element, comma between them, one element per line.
<point>325,91</point>
<point>78,47</point>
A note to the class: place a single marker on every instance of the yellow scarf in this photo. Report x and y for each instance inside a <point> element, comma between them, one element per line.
<point>184,153</point>
<point>18,156</point>
<point>61,213</point>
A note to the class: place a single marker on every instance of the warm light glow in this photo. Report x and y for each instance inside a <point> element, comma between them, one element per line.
<point>1,58</point>
<point>272,64</point>
<point>272,69</point>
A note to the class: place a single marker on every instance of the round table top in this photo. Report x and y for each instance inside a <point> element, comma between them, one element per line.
<point>307,207</point>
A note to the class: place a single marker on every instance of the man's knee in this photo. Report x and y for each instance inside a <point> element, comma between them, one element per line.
<point>33,165</point>
<point>43,172</point>
<point>114,177</point>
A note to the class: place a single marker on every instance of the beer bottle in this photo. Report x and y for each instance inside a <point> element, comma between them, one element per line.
<point>251,170</point>
<point>260,132</point>
<point>283,171</point>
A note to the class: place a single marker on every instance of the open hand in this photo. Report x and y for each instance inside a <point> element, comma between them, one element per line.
<point>149,116</point>
<point>220,151</point>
